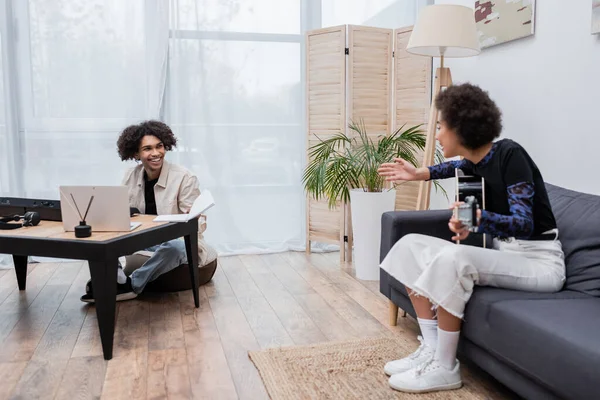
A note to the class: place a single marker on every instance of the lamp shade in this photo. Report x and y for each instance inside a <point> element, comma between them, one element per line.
<point>445,29</point>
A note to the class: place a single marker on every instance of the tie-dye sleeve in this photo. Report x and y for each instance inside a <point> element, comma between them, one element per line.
<point>519,223</point>
<point>446,169</point>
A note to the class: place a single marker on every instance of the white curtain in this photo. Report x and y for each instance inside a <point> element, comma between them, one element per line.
<point>226,75</point>
<point>84,69</point>
<point>5,162</point>
<point>235,100</point>
<point>377,13</point>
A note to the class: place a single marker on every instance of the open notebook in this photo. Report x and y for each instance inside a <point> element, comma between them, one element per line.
<point>201,204</point>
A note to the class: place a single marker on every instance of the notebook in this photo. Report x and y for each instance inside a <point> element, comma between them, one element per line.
<point>201,204</point>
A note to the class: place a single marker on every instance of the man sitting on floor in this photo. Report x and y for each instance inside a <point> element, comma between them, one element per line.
<point>156,187</point>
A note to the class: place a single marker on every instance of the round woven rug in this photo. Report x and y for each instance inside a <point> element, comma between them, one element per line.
<point>340,370</point>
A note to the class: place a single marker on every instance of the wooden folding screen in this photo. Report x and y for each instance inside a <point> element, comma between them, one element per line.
<point>370,78</point>
<point>369,90</point>
<point>326,116</point>
<point>354,81</point>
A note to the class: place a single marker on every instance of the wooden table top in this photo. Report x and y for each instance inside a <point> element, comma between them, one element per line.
<point>54,230</point>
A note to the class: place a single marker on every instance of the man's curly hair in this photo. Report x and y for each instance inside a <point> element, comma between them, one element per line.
<point>129,141</point>
<point>471,113</point>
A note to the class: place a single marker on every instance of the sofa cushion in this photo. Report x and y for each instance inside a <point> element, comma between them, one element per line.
<point>578,219</point>
<point>483,298</point>
<point>554,342</point>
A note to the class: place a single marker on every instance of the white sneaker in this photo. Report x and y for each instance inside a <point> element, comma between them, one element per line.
<point>423,354</point>
<point>428,377</point>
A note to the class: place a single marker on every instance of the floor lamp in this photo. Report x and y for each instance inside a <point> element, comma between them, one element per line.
<point>441,30</point>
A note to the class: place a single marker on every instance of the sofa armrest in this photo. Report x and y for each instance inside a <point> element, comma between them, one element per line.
<point>396,224</point>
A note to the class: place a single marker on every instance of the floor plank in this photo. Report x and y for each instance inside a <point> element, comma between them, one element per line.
<point>264,322</point>
<point>210,376</point>
<point>166,329</point>
<point>237,337</point>
<point>44,372</point>
<point>294,318</point>
<point>325,317</point>
<point>168,374</point>
<point>351,312</point>
<point>126,376</point>
<point>88,342</point>
<point>36,280</point>
<point>376,306</point>
<point>127,372</point>
<point>22,341</point>
<point>10,374</point>
<point>12,311</point>
<point>8,281</point>
<point>291,279</point>
<point>83,379</point>
<point>164,347</point>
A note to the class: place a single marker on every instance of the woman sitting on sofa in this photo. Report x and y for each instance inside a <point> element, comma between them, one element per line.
<point>156,187</point>
<point>440,275</point>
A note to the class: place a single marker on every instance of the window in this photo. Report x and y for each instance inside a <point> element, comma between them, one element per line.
<point>226,75</point>
<point>83,75</point>
<point>248,16</point>
<point>235,98</point>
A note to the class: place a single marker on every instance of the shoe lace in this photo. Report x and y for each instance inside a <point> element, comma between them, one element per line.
<point>421,348</point>
<point>427,366</point>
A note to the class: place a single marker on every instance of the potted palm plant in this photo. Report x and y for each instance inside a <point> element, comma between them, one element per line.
<point>344,168</point>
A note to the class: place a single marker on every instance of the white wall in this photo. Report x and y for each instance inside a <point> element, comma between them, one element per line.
<point>548,87</point>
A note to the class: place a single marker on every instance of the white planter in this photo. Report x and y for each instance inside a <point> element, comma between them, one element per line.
<point>366,210</point>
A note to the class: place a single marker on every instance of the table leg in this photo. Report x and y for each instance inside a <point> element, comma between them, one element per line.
<point>191,249</point>
<point>104,284</point>
<point>21,270</point>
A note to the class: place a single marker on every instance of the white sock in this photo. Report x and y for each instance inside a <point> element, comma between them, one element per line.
<point>429,330</point>
<point>121,277</point>
<point>445,351</point>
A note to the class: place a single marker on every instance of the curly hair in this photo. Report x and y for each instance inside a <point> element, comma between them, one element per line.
<point>129,141</point>
<point>471,113</point>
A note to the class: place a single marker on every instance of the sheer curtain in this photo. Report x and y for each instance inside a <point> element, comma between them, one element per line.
<point>84,69</point>
<point>87,68</point>
<point>5,140</point>
<point>7,179</point>
<point>235,99</point>
<point>226,75</point>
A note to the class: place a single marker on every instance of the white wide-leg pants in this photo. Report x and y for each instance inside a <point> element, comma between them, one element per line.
<point>446,272</point>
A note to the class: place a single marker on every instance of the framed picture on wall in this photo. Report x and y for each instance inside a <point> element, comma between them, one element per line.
<point>501,21</point>
<point>595,16</point>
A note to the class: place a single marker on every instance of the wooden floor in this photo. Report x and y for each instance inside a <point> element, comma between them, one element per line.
<point>165,348</point>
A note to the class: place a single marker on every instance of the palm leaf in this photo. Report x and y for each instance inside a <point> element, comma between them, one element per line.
<point>346,161</point>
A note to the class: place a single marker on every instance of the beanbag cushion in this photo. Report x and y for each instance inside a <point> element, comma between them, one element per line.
<point>176,280</point>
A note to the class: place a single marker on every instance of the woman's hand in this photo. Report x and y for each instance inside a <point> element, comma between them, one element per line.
<point>399,170</point>
<point>461,231</point>
<point>457,227</point>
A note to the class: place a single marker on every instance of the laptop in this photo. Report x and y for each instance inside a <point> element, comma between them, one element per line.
<point>105,208</point>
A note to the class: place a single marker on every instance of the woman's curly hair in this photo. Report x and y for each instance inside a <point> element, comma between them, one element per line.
<point>471,113</point>
<point>128,143</point>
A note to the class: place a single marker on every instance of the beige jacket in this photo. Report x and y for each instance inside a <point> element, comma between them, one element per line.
<point>174,192</point>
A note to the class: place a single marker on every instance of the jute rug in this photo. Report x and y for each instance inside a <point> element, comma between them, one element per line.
<point>342,370</point>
